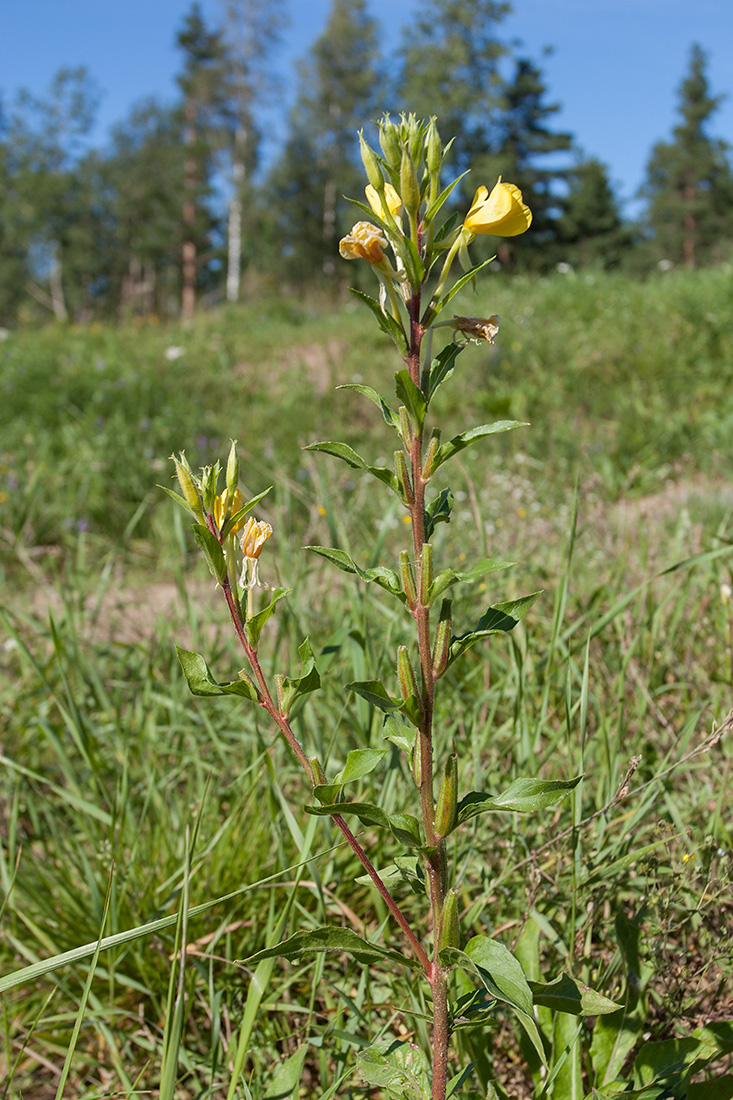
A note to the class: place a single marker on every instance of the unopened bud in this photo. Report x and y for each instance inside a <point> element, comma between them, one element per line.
<point>441,648</point>
<point>319,776</point>
<point>188,484</point>
<point>209,479</point>
<point>433,150</point>
<point>426,574</point>
<point>371,163</point>
<point>406,675</point>
<point>446,813</point>
<point>407,576</point>
<point>409,186</point>
<point>403,476</point>
<point>232,471</point>
<point>449,930</point>
<point>243,675</point>
<point>389,139</point>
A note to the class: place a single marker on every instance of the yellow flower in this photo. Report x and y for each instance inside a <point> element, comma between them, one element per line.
<point>394,202</point>
<point>220,509</point>
<point>501,213</point>
<point>255,535</point>
<point>364,242</point>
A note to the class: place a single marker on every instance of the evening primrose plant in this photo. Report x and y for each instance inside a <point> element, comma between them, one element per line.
<point>420,259</point>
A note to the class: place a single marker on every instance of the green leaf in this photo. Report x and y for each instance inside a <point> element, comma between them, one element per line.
<point>348,455</point>
<point>670,1057</point>
<point>367,812</point>
<point>403,869</point>
<point>438,511</point>
<point>382,576</point>
<point>522,796</point>
<point>398,729</point>
<point>375,693</point>
<point>502,977</point>
<point>441,368</point>
<point>397,1067</point>
<point>565,994</point>
<point>719,1088</point>
<point>435,206</point>
<point>201,682</point>
<point>242,512</point>
<point>254,625</point>
<point>388,324</point>
<point>178,498</point>
<point>406,829</point>
<point>309,680</point>
<point>411,397</point>
<point>342,940</point>
<point>287,1076</point>
<point>212,551</point>
<point>434,309</point>
<point>500,618</point>
<point>449,577</point>
<point>359,763</point>
<point>465,439</point>
<point>391,417</point>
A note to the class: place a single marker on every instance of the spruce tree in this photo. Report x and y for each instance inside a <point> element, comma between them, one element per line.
<point>689,183</point>
<point>590,229</point>
<point>340,87</point>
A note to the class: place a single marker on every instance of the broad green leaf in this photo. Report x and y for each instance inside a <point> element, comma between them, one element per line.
<point>380,575</point>
<point>391,417</point>
<point>566,1079</point>
<point>212,551</point>
<point>719,1088</point>
<point>406,829</point>
<point>359,763</point>
<point>449,577</point>
<point>441,368</point>
<point>375,693</point>
<point>309,680</point>
<point>438,511</point>
<point>403,869</point>
<point>411,397</point>
<point>342,940</point>
<point>397,1067</point>
<point>502,977</point>
<point>567,995</point>
<point>201,682</point>
<point>386,321</point>
<point>465,439</point>
<point>398,729</point>
<point>254,625</point>
<point>500,618</point>
<point>523,796</point>
<point>670,1057</point>
<point>348,455</point>
<point>287,1076</point>
<point>367,812</point>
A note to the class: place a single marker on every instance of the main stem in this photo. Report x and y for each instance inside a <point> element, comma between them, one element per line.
<point>435,860</point>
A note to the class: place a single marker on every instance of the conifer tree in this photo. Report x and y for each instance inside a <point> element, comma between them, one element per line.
<point>689,183</point>
<point>339,87</point>
<point>590,229</point>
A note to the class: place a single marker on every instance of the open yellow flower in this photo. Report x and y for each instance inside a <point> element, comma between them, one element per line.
<point>501,213</point>
<point>253,538</point>
<point>364,242</point>
<point>394,202</point>
<point>220,509</point>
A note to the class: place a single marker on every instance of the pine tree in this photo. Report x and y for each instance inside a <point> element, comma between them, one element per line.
<point>689,183</point>
<point>207,117</point>
<point>339,88</point>
<point>590,229</point>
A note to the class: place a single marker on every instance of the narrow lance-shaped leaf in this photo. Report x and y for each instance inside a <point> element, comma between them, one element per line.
<point>309,680</point>
<point>388,324</point>
<point>411,397</point>
<point>201,682</point>
<point>465,439</point>
<point>342,940</point>
<point>441,368</point>
<point>254,625</point>
<point>380,575</point>
<point>390,416</point>
<point>522,796</point>
<point>212,551</point>
<point>348,455</point>
<point>500,618</point>
<point>438,511</point>
<point>482,568</point>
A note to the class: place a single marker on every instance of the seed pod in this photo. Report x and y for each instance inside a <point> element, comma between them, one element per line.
<point>449,930</point>
<point>446,813</point>
<point>405,427</point>
<point>407,575</point>
<point>426,574</point>
<point>403,476</point>
<point>406,675</point>
<point>441,648</point>
<point>432,447</point>
<point>417,760</point>
<point>319,776</point>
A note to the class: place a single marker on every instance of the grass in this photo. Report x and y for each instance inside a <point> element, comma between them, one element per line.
<point>124,798</point>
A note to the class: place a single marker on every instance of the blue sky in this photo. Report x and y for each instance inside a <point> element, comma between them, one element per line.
<point>615,65</point>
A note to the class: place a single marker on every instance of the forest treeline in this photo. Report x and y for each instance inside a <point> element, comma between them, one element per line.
<point>178,209</point>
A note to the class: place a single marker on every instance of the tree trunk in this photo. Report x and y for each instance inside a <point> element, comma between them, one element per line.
<point>55,284</point>
<point>234,230</point>
<point>329,228</point>
<point>188,252</point>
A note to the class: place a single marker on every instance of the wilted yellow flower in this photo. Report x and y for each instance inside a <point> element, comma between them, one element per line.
<point>220,509</point>
<point>476,329</point>
<point>394,202</point>
<point>501,213</point>
<point>364,242</point>
<point>253,538</point>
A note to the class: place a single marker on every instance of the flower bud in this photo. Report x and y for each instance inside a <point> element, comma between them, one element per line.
<point>449,935</point>
<point>319,776</point>
<point>371,163</point>
<point>426,574</point>
<point>189,486</point>
<point>430,453</point>
<point>446,813</point>
<point>389,139</point>
<point>409,186</point>
<point>407,575</point>
<point>441,648</point>
<point>209,479</point>
<point>233,471</point>
<point>406,675</point>
<point>433,150</point>
<point>403,476</point>
<point>405,427</point>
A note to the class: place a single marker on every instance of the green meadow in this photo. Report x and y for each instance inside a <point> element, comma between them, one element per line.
<point>134,817</point>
